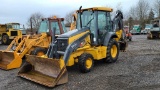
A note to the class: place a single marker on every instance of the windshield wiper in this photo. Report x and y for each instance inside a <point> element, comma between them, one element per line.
<point>89,22</point>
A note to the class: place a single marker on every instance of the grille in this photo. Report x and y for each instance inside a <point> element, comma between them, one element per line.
<point>62,44</point>
<point>14,33</point>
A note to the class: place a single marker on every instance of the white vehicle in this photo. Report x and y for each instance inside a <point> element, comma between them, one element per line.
<point>148,27</point>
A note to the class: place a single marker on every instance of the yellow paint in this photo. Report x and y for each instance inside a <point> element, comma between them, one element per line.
<point>40,53</point>
<point>88,63</point>
<point>119,35</point>
<point>73,38</point>
<point>62,63</point>
<point>16,63</point>
<point>98,53</point>
<point>73,24</point>
<point>114,51</point>
<point>99,9</point>
<point>29,42</point>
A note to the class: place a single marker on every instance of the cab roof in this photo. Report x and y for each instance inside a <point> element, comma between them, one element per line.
<point>99,9</point>
<point>12,23</point>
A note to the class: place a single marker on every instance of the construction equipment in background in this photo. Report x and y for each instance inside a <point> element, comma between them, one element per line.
<point>22,28</point>
<point>154,33</point>
<point>9,31</point>
<point>127,32</point>
<point>136,30</point>
<point>147,28</point>
<point>73,24</point>
<point>94,39</point>
<point>31,44</point>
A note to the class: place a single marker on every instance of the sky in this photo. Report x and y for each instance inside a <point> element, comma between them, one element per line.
<point>20,10</point>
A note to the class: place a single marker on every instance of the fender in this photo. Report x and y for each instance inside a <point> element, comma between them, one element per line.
<point>73,46</point>
<point>109,36</point>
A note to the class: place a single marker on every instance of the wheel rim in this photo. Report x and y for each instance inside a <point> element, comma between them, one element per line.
<point>114,51</point>
<point>88,63</point>
<point>4,39</point>
<point>40,53</point>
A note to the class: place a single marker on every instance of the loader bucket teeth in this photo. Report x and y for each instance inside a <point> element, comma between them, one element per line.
<point>44,71</point>
<point>9,60</point>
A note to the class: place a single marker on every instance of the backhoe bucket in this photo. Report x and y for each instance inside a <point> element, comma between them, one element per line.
<point>45,71</point>
<point>123,46</point>
<point>9,60</point>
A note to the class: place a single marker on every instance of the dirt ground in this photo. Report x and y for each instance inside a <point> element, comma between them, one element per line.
<point>136,69</point>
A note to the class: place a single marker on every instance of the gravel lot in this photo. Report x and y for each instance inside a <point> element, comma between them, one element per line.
<point>136,69</point>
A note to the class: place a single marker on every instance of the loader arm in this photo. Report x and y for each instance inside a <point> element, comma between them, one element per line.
<point>14,42</point>
<point>10,60</point>
<point>31,44</point>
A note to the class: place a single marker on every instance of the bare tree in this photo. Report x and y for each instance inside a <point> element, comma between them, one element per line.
<point>34,21</point>
<point>117,7</point>
<point>142,9</point>
<point>68,17</point>
<point>133,13</point>
<point>156,7</point>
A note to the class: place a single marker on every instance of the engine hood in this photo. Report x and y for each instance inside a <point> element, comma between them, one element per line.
<point>73,33</point>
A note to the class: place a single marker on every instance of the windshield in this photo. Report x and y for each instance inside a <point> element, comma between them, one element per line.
<point>148,26</point>
<point>87,19</point>
<point>16,26</point>
<point>43,27</point>
<point>63,26</point>
<point>136,26</point>
<point>9,26</point>
<point>55,25</point>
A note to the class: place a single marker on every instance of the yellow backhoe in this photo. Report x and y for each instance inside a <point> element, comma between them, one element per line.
<point>31,44</point>
<point>94,39</point>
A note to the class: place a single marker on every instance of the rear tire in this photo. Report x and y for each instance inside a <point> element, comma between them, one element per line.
<point>112,51</point>
<point>85,62</point>
<point>39,51</point>
<point>6,40</point>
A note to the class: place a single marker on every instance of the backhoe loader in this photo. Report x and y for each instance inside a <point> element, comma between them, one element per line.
<point>94,39</point>
<point>31,44</point>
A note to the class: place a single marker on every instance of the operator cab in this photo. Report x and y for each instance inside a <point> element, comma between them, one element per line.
<point>14,26</point>
<point>47,25</point>
<point>98,20</point>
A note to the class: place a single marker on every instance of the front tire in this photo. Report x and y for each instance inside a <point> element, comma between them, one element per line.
<point>112,51</point>
<point>6,40</point>
<point>85,62</point>
<point>39,51</point>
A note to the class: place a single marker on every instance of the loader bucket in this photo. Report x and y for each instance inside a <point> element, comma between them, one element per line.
<point>45,71</point>
<point>9,60</point>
